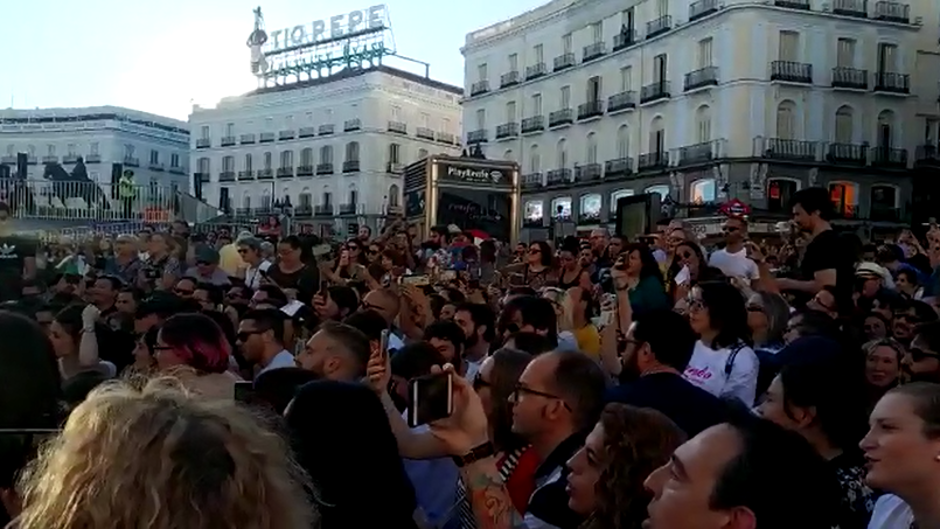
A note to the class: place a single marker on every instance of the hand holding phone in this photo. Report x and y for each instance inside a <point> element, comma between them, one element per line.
<point>430,398</point>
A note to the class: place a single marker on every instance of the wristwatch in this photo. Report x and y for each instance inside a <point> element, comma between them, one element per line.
<point>477,453</point>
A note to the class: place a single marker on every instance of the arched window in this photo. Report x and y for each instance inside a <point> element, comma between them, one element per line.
<point>509,156</point>
<point>326,154</point>
<point>561,154</point>
<point>352,151</point>
<point>422,154</point>
<point>886,129</point>
<point>590,207</point>
<point>657,139</point>
<point>616,196</point>
<point>661,190</point>
<point>703,124</point>
<point>394,195</point>
<point>394,153</point>
<point>561,208</point>
<point>703,191</point>
<point>306,200</point>
<point>353,195</point>
<point>266,199</point>
<point>623,142</point>
<point>535,160</point>
<point>533,210</point>
<point>228,164</point>
<point>268,160</point>
<point>204,165</point>
<point>590,154</point>
<point>306,157</point>
<point>779,193</point>
<point>844,118</point>
<point>248,162</point>
<point>786,120</point>
<point>844,196</point>
<point>246,200</point>
<point>287,159</point>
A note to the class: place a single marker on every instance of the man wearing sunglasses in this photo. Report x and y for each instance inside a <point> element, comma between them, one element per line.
<point>261,340</point>
<point>922,361</point>
<point>732,260</point>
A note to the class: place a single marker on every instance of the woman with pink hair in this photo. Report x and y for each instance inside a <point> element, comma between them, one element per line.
<point>193,348</point>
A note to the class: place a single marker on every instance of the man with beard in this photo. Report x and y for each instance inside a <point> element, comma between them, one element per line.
<point>922,361</point>
<point>659,344</point>
<point>478,324</point>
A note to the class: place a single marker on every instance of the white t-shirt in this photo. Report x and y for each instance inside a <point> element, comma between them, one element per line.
<point>891,513</point>
<point>253,275</point>
<point>734,264</point>
<point>706,370</point>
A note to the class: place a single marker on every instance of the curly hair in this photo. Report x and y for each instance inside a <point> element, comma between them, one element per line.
<point>159,459</point>
<point>637,441</point>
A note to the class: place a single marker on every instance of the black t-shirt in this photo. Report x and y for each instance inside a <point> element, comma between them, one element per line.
<point>13,252</point>
<point>306,281</point>
<point>690,407</point>
<point>828,251</point>
<point>549,501</point>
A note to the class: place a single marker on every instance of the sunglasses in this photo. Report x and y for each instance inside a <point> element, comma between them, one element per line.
<point>243,336</point>
<point>754,308</point>
<point>534,251</point>
<point>695,305</point>
<point>729,229</point>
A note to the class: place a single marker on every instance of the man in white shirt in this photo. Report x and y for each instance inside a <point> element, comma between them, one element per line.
<point>732,260</point>
<point>261,340</point>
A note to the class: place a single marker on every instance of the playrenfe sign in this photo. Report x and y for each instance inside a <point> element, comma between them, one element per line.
<point>335,27</point>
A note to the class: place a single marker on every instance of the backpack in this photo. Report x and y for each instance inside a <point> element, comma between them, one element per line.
<point>729,364</point>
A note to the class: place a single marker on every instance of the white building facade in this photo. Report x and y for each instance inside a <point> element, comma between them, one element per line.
<point>333,147</point>
<point>705,101</point>
<point>155,148</point>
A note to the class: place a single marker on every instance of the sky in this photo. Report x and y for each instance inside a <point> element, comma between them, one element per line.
<point>162,56</point>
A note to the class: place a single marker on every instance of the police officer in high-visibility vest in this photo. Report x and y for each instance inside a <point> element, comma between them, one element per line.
<point>127,193</point>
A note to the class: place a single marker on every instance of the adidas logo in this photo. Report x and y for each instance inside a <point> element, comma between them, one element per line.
<point>8,251</point>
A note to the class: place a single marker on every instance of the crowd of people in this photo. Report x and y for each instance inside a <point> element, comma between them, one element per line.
<point>170,379</point>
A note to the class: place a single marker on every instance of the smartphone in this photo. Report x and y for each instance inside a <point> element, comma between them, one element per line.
<point>383,344</point>
<point>244,391</point>
<point>321,250</point>
<point>417,280</point>
<point>608,310</point>
<point>324,285</point>
<point>430,398</point>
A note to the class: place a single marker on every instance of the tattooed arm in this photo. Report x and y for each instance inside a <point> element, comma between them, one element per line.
<point>489,498</point>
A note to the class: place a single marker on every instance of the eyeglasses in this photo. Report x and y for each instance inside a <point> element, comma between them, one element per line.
<point>754,308</point>
<point>372,251</point>
<point>533,251</point>
<point>520,390</point>
<point>695,304</point>
<point>243,336</point>
<point>919,355</point>
<point>479,383</point>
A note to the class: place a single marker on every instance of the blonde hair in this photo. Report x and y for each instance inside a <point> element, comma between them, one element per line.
<point>158,459</point>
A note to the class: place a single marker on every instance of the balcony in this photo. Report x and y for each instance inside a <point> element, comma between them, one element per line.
<point>593,217</point>
<point>659,26</point>
<point>653,161</point>
<point>227,176</point>
<point>352,125</point>
<point>303,210</point>
<point>305,170</point>
<point>246,175</point>
<point>93,158</point>
<point>793,4</point>
<point>702,8</point>
<point>424,133</point>
<point>326,129</point>
<point>893,12</point>
<point>266,137</point>
<point>227,141</point>
<point>701,78</point>
<point>324,169</point>
<point>533,222</point>
<point>557,177</point>
<point>790,150</point>
<point>202,178</point>
<point>509,79</point>
<point>476,136</point>
<point>535,71</point>
<point>699,153</point>
<point>563,61</point>
<point>70,159</point>
<point>533,124</point>
<point>446,138</point>
<point>845,211</point>
<point>323,211</point>
<point>8,159</point>
<point>791,72</point>
<point>847,154</point>
<point>347,209</point>
<point>177,170</point>
<point>285,172</point>
<point>351,166</point>
<point>394,167</point>
<point>593,51</point>
<point>590,172</point>
<point>624,39</point>
<point>889,157</point>
<point>892,83</point>
<point>286,135</point>
<point>849,78</point>
<point>479,87</point>
<point>532,181</point>
<point>398,127</point>
<point>247,139</point>
<point>129,161</point>
<point>927,154</point>
<point>507,130</point>
<point>50,158</point>
<point>156,166</point>
<point>654,92</point>
<point>307,132</point>
<point>203,143</point>
<point>561,118</point>
<point>621,101</point>
<point>31,160</point>
<point>618,168</point>
<point>851,8</point>
<point>266,174</point>
<point>591,109</point>
<point>886,213</point>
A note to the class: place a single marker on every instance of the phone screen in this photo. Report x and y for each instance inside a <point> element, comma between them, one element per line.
<point>383,344</point>
<point>430,399</point>
<point>244,392</point>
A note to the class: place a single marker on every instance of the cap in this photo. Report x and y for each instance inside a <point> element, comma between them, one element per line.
<point>206,254</point>
<point>454,230</point>
<point>871,270</point>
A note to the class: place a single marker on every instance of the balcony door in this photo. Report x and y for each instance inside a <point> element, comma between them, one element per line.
<point>887,55</point>
<point>593,89</point>
<point>659,68</point>
<point>779,193</point>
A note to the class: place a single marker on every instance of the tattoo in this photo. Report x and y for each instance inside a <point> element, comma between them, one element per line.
<point>489,498</point>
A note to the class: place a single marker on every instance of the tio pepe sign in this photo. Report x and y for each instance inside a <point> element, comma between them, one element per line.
<point>333,28</point>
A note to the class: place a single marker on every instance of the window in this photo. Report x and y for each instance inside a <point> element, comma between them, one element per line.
<point>887,57</point>
<point>246,201</point>
<point>704,55</point>
<point>616,196</point>
<point>657,140</point>
<point>352,151</point>
<point>593,89</point>
<point>535,160</point>
<point>566,43</point>
<point>662,8</point>
<point>509,156</point>
<point>228,164</point>
<point>786,120</point>
<point>789,46</point>
<point>309,116</point>
<point>561,155</point>
<point>353,197</point>
<point>626,78</point>
<point>204,165</point>
<point>128,150</point>
<point>326,154</point>
<point>230,129</point>
<point>306,157</point>
<point>445,125</point>
<point>779,194</point>
<point>51,149</point>
<point>174,160</point>
<point>597,32</point>
<point>396,113</point>
<point>425,120</point>
<point>886,129</point>
<point>591,207</point>
<point>843,133</point>
<point>561,208</point>
<point>844,197</point>
<point>266,199</point>
<point>703,191</point>
<point>481,119</point>
<point>627,18</point>
<point>481,72</point>
<point>930,131</point>
<point>328,115</point>
<point>661,190</point>
<point>623,142</point>
<point>590,153</point>
<point>513,62</point>
<point>154,156</point>
<point>510,111</point>
<point>287,159</point>
<point>703,124</point>
<point>327,199</point>
<point>393,194</point>
<point>659,68</point>
<point>248,162</point>
<point>71,149</point>
<point>394,153</point>
<point>565,97</point>
<point>533,210</point>
<point>538,51</point>
<point>884,202</point>
<point>536,104</point>
<point>268,160</point>
<point>93,148</point>
<point>305,198</point>
<point>204,132</point>
<point>845,53</point>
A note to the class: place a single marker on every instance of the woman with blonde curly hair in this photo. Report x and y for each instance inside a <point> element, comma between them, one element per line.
<point>606,480</point>
<point>159,459</point>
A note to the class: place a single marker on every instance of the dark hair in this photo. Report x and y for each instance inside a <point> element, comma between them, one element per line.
<point>818,323</point>
<point>481,315</point>
<point>547,257</point>
<point>926,404</point>
<point>705,272</point>
<point>135,293</point>
<point>116,282</point>
<point>813,200</point>
<point>530,342</point>
<point>442,231</point>
<point>488,251</point>
<point>277,387</point>
<point>650,267</point>
<point>922,310</point>
<point>268,320</point>
<point>535,311</point>
<point>344,297</point>
<point>70,318</point>
<point>669,335</point>
<point>275,295</point>
<point>454,296</point>
<point>508,365</point>
<point>448,331</point>
<point>522,291</point>
<point>581,382</point>
<point>909,274</point>
<point>353,340</point>
<point>415,360</point>
<point>199,341</point>
<point>930,333</point>
<point>775,470</point>
<point>213,292</point>
<point>293,241</point>
<point>368,322</point>
<point>726,313</point>
<point>160,304</point>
